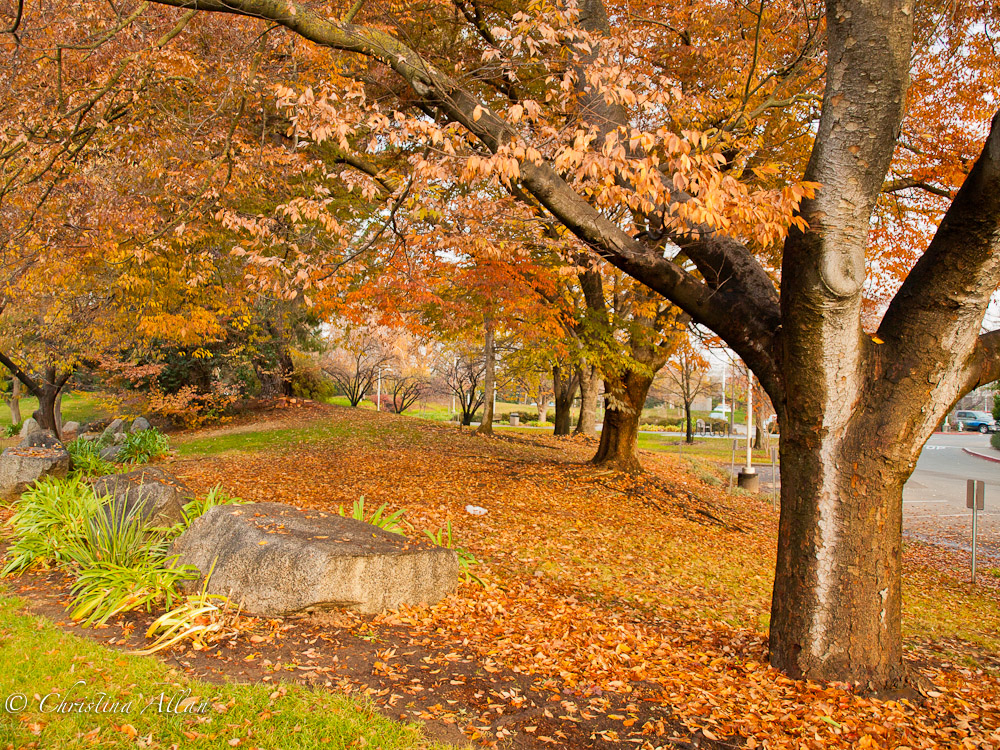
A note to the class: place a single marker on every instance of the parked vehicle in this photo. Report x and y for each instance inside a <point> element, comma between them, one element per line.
<point>975,421</point>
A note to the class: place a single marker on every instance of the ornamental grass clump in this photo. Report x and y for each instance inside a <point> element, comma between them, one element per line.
<point>117,561</point>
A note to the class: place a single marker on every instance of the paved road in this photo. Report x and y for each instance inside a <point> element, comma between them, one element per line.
<point>934,498</point>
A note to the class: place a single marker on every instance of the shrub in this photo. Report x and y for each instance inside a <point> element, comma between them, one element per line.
<point>50,518</point>
<point>308,381</point>
<point>995,440</point>
<point>392,522</point>
<point>13,430</point>
<point>466,560</point>
<point>200,506</point>
<point>144,446</point>
<point>119,564</point>
<point>85,458</point>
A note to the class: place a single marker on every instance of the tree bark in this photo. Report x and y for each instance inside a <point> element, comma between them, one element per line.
<point>689,433</point>
<point>489,380</point>
<point>564,384</point>
<point>45,414</point>
<point>620,435</point>
<point>835,612</point>
<point>586,374</point>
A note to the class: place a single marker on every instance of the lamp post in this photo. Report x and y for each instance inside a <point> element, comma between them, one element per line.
<point>748,478</point>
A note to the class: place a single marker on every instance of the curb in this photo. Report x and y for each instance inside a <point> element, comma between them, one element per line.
<point>977,454</point>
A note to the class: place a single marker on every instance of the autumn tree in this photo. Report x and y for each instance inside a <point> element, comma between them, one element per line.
<point>687,372</point>
<point>357,358</point>
<point>699,216</point>
<point>464,371</point>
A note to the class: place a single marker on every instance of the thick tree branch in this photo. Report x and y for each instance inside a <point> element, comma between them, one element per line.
<point>940,306</point>
<point>984,365</point>
<point>21,375</point>
<point>736,319</point>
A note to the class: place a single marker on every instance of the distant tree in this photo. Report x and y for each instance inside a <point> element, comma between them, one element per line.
<point>464,375</point>
<point>687,373</point>
<point>356,362</point>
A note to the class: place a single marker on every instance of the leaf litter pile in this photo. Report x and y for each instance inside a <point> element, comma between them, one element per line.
<point>618,611</point>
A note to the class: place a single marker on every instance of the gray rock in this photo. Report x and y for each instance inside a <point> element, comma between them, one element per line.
<point>22,467</point>
<point>140,424</point>
<point>28,427</point>
<point>111,453</point>
<point>41,439</point>
<point>117,426</point>
<point>73,427</point>
<point>161,495</point>
<point>273,560</point>
<point>119,438</point>
<point>88,436</point>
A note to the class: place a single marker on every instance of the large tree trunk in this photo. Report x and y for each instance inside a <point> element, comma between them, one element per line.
<point>586,373</point>
<point>45,414</point>
<point>486,427</point>
<point>564,384</point>
<point>626,396</point>
<point>14,402</point>
<point>835,613</point>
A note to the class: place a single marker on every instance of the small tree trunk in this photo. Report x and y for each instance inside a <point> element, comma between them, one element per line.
<point>14,402</point>
<point>45,414</point>
<point>285,369</point>
<point>543,409</point>
<point>687,416</point>
<point>486,427</point>
<point>565,389</point>
<point>57,413</point>
<point>619,437</point>
<point>587,375</point>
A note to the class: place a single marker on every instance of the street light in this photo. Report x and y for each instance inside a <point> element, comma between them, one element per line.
<point>748,478</point>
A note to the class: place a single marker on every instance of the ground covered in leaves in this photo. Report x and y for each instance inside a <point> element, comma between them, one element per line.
<point>618,611</point>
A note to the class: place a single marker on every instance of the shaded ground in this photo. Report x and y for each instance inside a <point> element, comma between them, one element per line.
<point>620,611</point>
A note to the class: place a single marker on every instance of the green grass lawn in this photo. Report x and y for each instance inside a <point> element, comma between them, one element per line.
<point>720,449</point>
<point>289,438</point>
<point>39,662</point>
<point>77,406</point>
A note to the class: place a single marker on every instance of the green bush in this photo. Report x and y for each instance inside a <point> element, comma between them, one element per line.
<point>200,506</point>
<point>121,565</point>
<point>308,381</point>
<point>50,519</point>
<point>85,458</point>
<point>995,440</point>
<point>118,562</point>
<point>13,430</point>
<point>389,521</point>
<point>143,446</point>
